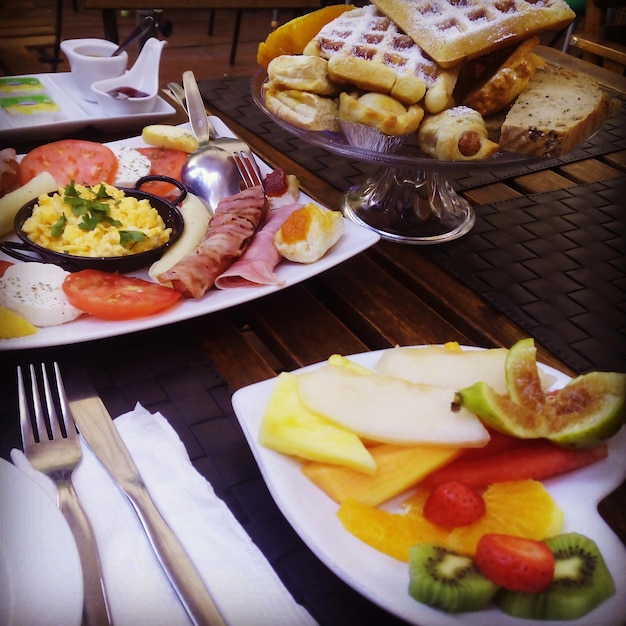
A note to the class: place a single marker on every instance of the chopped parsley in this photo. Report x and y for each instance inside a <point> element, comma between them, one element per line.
<point>128,238</point>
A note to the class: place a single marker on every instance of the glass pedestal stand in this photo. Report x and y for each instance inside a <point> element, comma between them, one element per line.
<point>408,206</point>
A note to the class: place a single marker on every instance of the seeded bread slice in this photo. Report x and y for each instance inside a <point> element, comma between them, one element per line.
<point>557,111</point>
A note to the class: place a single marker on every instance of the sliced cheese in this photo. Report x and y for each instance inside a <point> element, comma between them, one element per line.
<point>131,166</point>
<point>388,409</point>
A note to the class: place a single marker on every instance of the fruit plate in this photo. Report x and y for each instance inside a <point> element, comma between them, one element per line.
<point>354,240</point>
<point>384,580</point>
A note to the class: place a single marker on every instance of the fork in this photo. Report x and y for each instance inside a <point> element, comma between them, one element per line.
<point>248,169</point>
<point>53,448</point>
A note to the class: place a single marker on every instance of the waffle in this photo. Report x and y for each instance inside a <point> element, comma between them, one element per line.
<point>366,49</point>
<point>453,30</point>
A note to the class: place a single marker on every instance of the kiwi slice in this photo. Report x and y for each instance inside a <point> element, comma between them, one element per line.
<point>581,582</point>
<point>446,580</point>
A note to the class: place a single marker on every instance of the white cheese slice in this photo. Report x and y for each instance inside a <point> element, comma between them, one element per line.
<point>131,166</point>
<point>33,290</point>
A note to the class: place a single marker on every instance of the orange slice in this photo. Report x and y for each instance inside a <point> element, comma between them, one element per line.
<point>293,36</point>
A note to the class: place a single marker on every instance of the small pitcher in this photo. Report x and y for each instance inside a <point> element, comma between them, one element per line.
<point>90,61</point>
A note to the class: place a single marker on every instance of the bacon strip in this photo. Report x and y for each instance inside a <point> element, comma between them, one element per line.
<point>227,238</point>
<point>256,266</point>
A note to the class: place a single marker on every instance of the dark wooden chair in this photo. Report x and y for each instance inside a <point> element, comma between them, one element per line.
<point>603,31</point>
<point>108,8</point>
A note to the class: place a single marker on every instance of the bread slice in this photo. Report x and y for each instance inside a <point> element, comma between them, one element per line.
<point>557,111</point>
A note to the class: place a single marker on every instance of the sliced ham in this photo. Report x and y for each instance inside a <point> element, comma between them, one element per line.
<point>256,266</point>
<point>227,238</point>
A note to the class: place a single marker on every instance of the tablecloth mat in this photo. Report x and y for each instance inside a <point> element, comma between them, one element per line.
<point>177,379</point>
<point>553,263</point>
<point>233,97</point>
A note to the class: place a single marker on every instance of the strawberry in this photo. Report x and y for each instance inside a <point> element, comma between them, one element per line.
<point>515,563</point>
<point>452,504</point>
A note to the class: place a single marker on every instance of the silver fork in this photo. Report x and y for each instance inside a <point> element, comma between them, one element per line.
<point>248,169</point>
<point>52,447</point>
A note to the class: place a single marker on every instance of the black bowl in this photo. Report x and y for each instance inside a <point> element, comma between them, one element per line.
<point>26,250</point>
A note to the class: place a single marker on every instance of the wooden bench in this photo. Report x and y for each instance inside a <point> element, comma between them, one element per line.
<point>24,24</point>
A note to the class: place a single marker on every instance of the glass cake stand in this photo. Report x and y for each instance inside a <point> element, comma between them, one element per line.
<point>409,198</point>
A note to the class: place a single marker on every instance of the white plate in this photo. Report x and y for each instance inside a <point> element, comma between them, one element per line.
<point>385,580</point>
<point>77,113</point>
<point>354,240</point>
<point>40,575</point>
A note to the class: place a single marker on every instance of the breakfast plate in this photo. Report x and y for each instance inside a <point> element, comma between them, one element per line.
<point>40,573</point>
<point>76,113</point>
<point>384,580</point>
<point>355,239</point>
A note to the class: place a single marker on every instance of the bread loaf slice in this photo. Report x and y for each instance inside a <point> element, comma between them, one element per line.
<point>557,111</point>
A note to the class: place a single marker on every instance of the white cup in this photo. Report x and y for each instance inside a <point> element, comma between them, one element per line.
<point>91,61</point>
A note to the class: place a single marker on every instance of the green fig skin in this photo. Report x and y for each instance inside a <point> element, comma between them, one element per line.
<point>499,412</point>
<point>588,410</point>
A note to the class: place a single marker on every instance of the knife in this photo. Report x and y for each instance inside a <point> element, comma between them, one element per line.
<point>97,429</point>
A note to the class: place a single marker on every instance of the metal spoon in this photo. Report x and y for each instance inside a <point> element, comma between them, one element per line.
<point>210,172</point>
<point>231,144</point>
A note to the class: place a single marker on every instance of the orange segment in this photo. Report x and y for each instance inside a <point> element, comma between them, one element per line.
<point>523,508</point>
<point>390,533</point>
<point>293,36</point>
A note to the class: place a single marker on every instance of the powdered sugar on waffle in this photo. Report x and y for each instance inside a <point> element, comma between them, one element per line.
<point>453,30</point>
<point>367,34</point>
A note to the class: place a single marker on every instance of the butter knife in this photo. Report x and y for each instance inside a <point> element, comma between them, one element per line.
<point>96,426</point>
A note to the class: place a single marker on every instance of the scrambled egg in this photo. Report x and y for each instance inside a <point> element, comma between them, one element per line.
<point>97,221</point>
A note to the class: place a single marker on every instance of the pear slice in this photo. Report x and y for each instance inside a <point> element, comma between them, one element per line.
<point>389,409</point>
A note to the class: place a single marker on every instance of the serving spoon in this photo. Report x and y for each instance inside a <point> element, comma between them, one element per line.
<point>210,172</point>
<point>231,144</point>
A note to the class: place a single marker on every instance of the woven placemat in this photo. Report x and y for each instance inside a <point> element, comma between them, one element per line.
<point>553,263</point>
<point>177,379</point>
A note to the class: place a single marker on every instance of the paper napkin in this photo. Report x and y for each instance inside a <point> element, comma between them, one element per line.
<point>242,583</point>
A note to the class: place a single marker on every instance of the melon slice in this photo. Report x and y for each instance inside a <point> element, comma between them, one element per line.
<point>389,410</point>
<point>398,468</point>
<point>288,427</point>
<point>450,366</point>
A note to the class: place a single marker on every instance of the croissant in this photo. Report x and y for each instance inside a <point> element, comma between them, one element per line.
<point>456,134</point>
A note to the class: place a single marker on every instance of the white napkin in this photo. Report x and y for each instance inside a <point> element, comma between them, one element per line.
<point>242,583</point>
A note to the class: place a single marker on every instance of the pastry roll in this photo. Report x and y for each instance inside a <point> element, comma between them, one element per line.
<point>302,73</point>
<point>308,233</point>
<point>301,108</point>
<point>456,134</point>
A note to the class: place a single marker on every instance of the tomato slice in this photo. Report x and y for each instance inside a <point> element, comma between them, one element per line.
<point>164,162</point>
<point>85,162</point>
<point>116,297</point>
<point>4,265</point>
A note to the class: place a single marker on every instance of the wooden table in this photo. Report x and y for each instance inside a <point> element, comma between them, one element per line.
<point>389,295</point>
